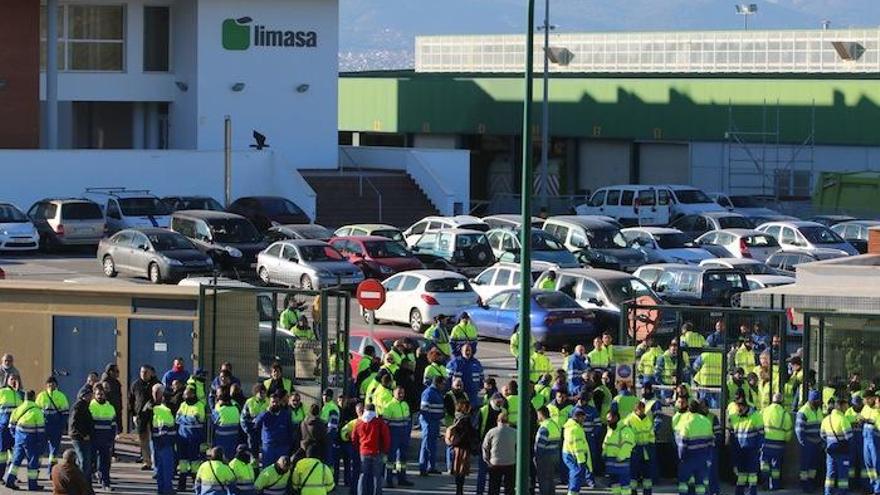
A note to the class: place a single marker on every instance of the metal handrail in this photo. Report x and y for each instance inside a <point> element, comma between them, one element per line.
<point>361,178</point>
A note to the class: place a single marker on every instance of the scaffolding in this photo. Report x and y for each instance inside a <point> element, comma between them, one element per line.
<point>759,163</point>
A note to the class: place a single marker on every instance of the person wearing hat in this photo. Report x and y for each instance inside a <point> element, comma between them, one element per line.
<point>55,408</point>
<point>191,435</point>
<point>214,477</point>
<point>858,476</point>
<point>778,431</point>
<point>836,432</point>
<point>243,469</point>
<point>575,451</point>
<point>276,427</point>
<point>464,332</point>
<point>330,415</point>
<point>806,429</point>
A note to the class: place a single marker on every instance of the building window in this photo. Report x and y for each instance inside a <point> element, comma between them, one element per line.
<point>90,38</point>
<point>156,38</point>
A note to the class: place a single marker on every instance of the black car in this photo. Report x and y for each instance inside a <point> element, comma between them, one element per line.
<point>307,231</point>
<point>700,286</point>
<point>606,247</point>
<point>268,211</point>
<point>177,203</point>
<point>231,240</point>
<point>785,262</point>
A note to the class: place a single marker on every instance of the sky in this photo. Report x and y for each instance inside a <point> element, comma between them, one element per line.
<point>380,33</point>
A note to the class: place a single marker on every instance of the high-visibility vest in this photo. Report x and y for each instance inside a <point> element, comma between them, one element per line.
<point>648,360</point>
<point>559,414</point>
<point>244,475</point>
<point>548,284</point>
<point>347,429</point>
<point>710,372</point>
<point>396,414</point>
<point>836,430</point>
<point>540,365</point>
<point>381,397</point>
<point>574,442</point>
<point>163,426</point>
<point>307,334</point>
<point>53,404</point>
<point>777,423</point>
<point>744,358</point>
<point>297,415</point>
<point>440,338</point>
<point>599,358</point>
<point>625,404</point>
<point>330,416</point>
<point>104,419</point>
<point>198,386</point>
<point>286,384</point>
<point>513,409</point>
<point>694,434</point>
<point>463,331</point>
<point>28,418</point>
<point>514,344</point>
<point>271,482</point>
<point>670,365</point>
<point>643,428</point>
<point>618,445</point>
<point>541,397</point>
<point>693,340</point>
<point>432,371</point>
<point>9,400</point>
<point>214,477</point>
<point>548,443</point>
<point>312,477</point>
<point>807,424</point>
<point>748,430</point>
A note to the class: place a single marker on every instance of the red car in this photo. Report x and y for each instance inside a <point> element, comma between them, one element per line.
<point>378,257</point>
<point>382,341</point>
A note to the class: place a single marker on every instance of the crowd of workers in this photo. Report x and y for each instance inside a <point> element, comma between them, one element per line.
<point>590,427</point>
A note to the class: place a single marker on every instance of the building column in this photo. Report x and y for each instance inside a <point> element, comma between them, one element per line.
<point>52,74</point>
<point>151,133</point>
<point>138,116</point>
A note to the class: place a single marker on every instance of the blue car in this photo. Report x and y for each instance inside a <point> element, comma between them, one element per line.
<point>556,318</point>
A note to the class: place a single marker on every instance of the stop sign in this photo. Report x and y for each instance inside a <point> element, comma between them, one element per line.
<point>371,294</point>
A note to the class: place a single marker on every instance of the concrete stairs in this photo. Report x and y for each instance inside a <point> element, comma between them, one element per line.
<point>341,199</point>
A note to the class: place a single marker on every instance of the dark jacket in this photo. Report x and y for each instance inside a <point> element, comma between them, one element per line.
<point>68,479</point>
<point>80,424</point>
<point>140,402</point>
<point>114,395</point>
<point>314,437</point>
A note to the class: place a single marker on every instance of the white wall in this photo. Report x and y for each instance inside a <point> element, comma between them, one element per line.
<point>182,115</point>
<point>69,172</point>
<point>302,125</point>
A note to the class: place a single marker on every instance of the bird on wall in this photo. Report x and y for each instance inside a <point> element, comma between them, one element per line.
<point>260,141</point>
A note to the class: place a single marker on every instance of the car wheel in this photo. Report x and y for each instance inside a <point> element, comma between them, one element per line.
<point>264,275</point>
<point>306,282</point>
<point>415,320</point>
<point>736,300</point>
<point>154,273</point>
<point>369,316</point>
<point>109,266</point>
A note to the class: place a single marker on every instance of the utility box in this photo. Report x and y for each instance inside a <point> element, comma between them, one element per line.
<point>856,193</point>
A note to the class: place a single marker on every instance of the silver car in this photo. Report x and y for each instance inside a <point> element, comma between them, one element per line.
<point>68,222</point>
<point>306,264</point>
<point>158,254</point>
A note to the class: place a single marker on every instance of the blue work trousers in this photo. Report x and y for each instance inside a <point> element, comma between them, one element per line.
<point>482,475</point>
<point>836,473</point>
<point>714,482</point>
<point>29,449</point>
<point>871,455</point>
<point>747,463</point>
<point>53,439</point>
<point>370,481</point>
<point>692,471</point>
<point>619,476</point>
<point>641,462</point>
<point>164,465</point>
<point>84,454</point>
<point>771,462</point>
<point>577,473</point>
<point>810,457</point>
<point>271,453</point>
<point>103,457</point>
<point>428,449</point>
<point>858,476</point>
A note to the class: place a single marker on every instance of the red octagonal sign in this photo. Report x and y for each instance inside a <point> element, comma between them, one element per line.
<point>371,294</point>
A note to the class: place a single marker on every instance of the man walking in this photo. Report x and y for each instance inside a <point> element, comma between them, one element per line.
<point>806,429</point>
<point>430,414</point>
<point>373,439</point>
<point>29,426</point>
<point>104,418</point>
<point>55,408</point>
<point>576,452</point>
<point>836,431</point>
<point>777,433</point>
<point>140,407</point>
<point>499,454</point>
<point>547,442</point>
<point>163,429</point>
<point>747,430</point>
<point>397,415</point>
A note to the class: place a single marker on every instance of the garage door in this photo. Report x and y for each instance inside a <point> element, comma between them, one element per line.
<point>664,164</point>
<point>603,163</point>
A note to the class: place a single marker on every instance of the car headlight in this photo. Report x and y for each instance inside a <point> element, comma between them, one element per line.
<point>235,253</point>
<point>173,262</point>
<point>4,232</point>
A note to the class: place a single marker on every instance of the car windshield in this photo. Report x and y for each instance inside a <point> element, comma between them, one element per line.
<point>470,240</point>
<point>672,241</point>
<point>606,239</point>
<point>143,207</point>
<point>447,285</point>
<point>760,241</point>
<point>555,300</point>
<point>315,232</point>
<point>319,253</point>
<point>11,214</point>
<point>735,223</point>
<point>392,234</point>
<point>626,289</point>
<point>264,307</point>
<point>820,235</point>
<point>691,196</point>
<point>169,242</point>
<point>280,206</point>
<point>745,202</point>
<point>755,269</point>
<point>721,281</point>
<point>81,211</point>
<point>199,204</point>
<point>481,227</point>
<point>234,230</point>
<point>386,249</point>
<point>545,242</point>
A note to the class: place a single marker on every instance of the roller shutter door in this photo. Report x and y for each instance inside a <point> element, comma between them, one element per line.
<point>664,164</point>
<point>603,163</point>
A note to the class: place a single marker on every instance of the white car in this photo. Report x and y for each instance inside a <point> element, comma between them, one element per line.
<point>759,275</point>
<point>741,243</point>
<point>307,264</point>
<point>648,204</point>
<point>17,232</point>
<point>505,275</point>
<point>665,245</point>
<point>748,206</point>
<point>435,223</point>
<point>130,208</point>
<point>806,236</point>
<point>415,297</point>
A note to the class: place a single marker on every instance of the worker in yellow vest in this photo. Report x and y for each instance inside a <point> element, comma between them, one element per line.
<point>242,466</point>
<point>55,408</point>
<point>275,478</point>
<point>690,338</point>
<point>396,414</point>
<point>312,477</point>
<point>778,430</point>
<point>29,426</point>
<point>548,440</point>
<point>646,355</point>
<point>464,332</point>
<point>600,357</point>
<point>549,281</point>
<point>383,393</point>
<point>291,314</point>
<point>511,395</point>
<point>11,396</point>
<point>644,452</point>
<point>226,424</point>
<point>576,451</point>
<point>617,450</point>
<point>163,434</point>
<point>540,363</point>
<point>806,428</point>
<point>214,476</point>
<point>708,373</point>
<point>836,431</point>
<point>744,357</point>
<point>104,419</point>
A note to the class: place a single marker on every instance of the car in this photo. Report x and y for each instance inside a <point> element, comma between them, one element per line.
<point>665,245</point>
<point>177,203</point>
<point>436,223</point>
<point>595,242</point>
<point>306,264</point>
<point>17,232</point>
<point>231,240</point>
<point>699,224</point>
<point>268,211</point>
<point>758,274</point>
<point>786,262</point>
<point>741,243</point>
<point>855,232</point>
<point>692,285</point>
<point>416,297</point>
<point>378,229</point>
<point>510,222</point>
<point>465,251</point>
<point>555,317</point>
<point>760,219</point>
<point>748,206</point>
<point>831,220</point>
<point>378,257</point>
<point>67,222</point>
<point>506,246</point>
<point>630,204</point>
<point>382,340</point>
<point>605,292</point>
<point>157,254</point>
<point>505,275</point>
<point>311,231</point>
<point>806,236</point>
<point>129,208</point>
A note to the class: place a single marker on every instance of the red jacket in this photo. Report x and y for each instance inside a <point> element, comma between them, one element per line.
<point>372,438</point>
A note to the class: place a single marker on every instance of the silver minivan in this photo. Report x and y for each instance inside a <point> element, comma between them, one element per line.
<point>68,222</point>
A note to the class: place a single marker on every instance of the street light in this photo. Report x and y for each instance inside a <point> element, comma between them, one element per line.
<point>746,10</point>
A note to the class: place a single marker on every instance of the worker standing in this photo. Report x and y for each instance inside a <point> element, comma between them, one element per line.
<point>256,404</point>
<point>514,344</point>
<point>576,452</point>
<point>396,414</point>
<point>242,466</point>
<point>312,477</point>
<point>694,439</point>
<point>778,431</point>
<point>836,432</point>
<point>470,370</point>
<point>540,363</point>
<point>190,436</point>
<point>806,429</point>
<point>350,450</point>
<point>871,435</point>
<point>547,449</point>
<point>511,396</point>
<point>437,335</point>
<point>549,282</point>
<point>617,449</point>
<point>226,424</point>
<point>10,398</point>
<point>666,368</point>
<point>276,427</point>
<point>463,333</point>
<point>274,478</point>
<point>104,418</point>
<point>575,366</point>
<point>431,413</point>
<point>747,433</point>
<point>330,414</point>
<point>435,368</point>
<point>29,432</point>
<point>214,477</point>
<point>625,402</point>
<point>163,433</point>
<point>55,408</point>
<point>486,420</point>
<point>690,338</point>
<point>707,376</point>
<point>644,452</point>
<point>291,314</point>
<point>599,358</point>
<point>858,476</point>
<point>646,355</point>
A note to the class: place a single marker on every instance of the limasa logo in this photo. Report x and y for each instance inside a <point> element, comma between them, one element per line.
<point>237,36</point>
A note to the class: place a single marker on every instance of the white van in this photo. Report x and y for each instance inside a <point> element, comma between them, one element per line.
<point>636,205</point>
<point>130,208</point>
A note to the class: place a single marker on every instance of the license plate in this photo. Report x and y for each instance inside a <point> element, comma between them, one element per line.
<point>572,321</point>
